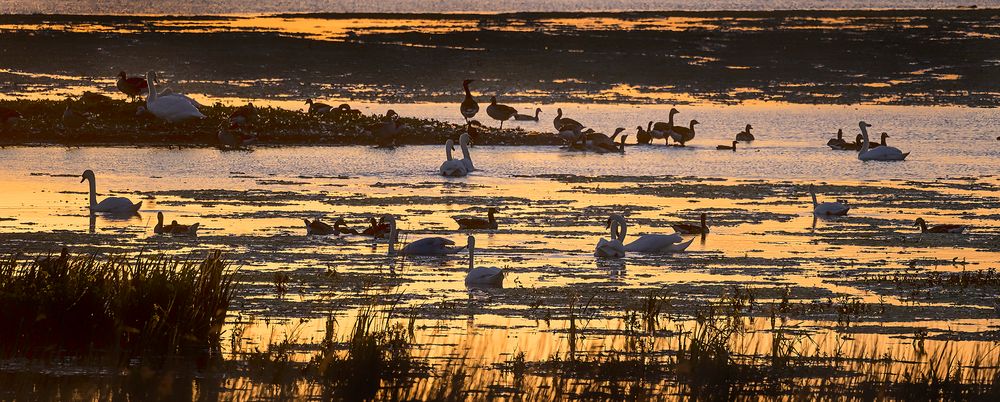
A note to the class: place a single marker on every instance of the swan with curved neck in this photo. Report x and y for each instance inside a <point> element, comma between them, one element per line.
<point>613,247</point>
<point>650,243</point>
<point>883,153</point>
<point>481,276</point>
<point>393,236</point>
<point>827,208</point>
<point>452,167</point>
<point>172,108</point>
<point>114,205</point>
<point>463,141</point>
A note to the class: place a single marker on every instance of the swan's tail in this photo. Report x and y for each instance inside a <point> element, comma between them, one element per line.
<point>679,247</point>
<point>193,229</point>
<point>136,207</point>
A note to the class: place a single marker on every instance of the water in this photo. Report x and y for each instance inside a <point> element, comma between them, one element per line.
<point>384,6</point>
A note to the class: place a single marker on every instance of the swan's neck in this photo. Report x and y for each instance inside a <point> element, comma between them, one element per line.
<point>864,140</point>
<point>465,151</point>
<point>472,257</point>
<point>447,150</point>
<point>614,230</point>
<point>489,215</point>
<point>703,225</point>
<point>393,234</point>
<point>93,193</point>
<point>622,229</point>
<point>813,194</point>
<point>151,96</point>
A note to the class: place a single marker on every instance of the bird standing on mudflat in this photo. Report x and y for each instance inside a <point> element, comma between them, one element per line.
<point>500,112</point>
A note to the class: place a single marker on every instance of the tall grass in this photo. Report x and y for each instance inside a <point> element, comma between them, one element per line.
<point>139,305</point>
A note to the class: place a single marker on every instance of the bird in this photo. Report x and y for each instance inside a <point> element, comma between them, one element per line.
<point>452,167</point>
<point>884,141</point>
<point>173,108</point>
<point>683,134</point>
<point>528,117</point>
<point>114,205</point>
<point>650,243</point>
<point>687,228</point>
<point>481,276</point>
<point>883,153</point>
<point>613,247</point>
<point>341,227</point>
<point>469,107</point>
<point>230,137</point>
<point>727,147</point>
<point>499,112</point>
<point>72,118</point>
<point>838,143</point>
<point>479,223</point>
<point>745,134</point>
<point>839,208</point>
<point>345,110</point>
<point>432,246</point>
<point>662,130</point>
<point>317,107</point>
<point>318,228</point>
<point>243,116</point>
<point>387,132</point>
<point>463,142</point>
<point>132,86</point>
<point>642,136</point>
<point>377,228</point>
<point>571,134</point>
<point>564,123</point>
<point>174,228</point>
<point>951,228</point>
<point>392,237</point>
<point>95,102</point>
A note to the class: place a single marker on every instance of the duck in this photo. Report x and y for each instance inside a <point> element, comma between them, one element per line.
<point>499,112</point>
<point>479,223</point>
<point>463,142</point>
<point>432,246</point>
<point>174,228</point>
<point>133,87</point>
<point>387,132</point>
<point>562,123</point>
<point>642,136</point>
<point>114,205</point>
<point>727,147</point>
<point>745,134</point>
<point>340,225</point>
<point>318,228</point>
<point>838,143</point>
<point>610,248</point>
<point>839,208</point>
<point>317,107</point>
<point>172,109</point>
<point>481,276</point>
<point>528,117</point>
<point>687,228</point>
<point>469,107</point>
<point>682,135</point>
<point>883,153</point>
<point>72,118</point>
<point>452,167</point>
<point>650,243</point>
<point>243,116</point>
<point>950,228</point>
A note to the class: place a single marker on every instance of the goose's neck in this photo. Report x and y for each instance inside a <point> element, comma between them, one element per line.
<point>670,122</point>
<point>467,93</point>
<point>491,217</point>
<point>923,227</point>
<point>703,225</point>
<point>537,111</point>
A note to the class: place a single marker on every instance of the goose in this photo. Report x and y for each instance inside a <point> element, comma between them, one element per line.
<point>171,108</point>
<point>432,246</point>
<point>479,223</point>
<point>687,228</point>
<point>727,147</point>
<point>499,112</point>
<point>883,153</point>
<point>571,134</point>
<point>682,135</point>
<point>317,107</point>
<point>131,86</point>
<point>345,110</point>
<point>341,227</point>
<point>884,141</point>
<point>661,129</point>
<point>642,136</point>
<point>562,123</point>
<point>838,208</point>
<point>174,228</point>
<point>463,142</point>
<point>318,228</point>
<point>613,247</point>
<point>838,143</point>
<point>452,167</point>
<point>243,116</point>
<point>387,132</point>
<point>115,205</point>
<point>956,229</point>
<point>528,117</point>
<point>377,228</point>
<point>621,145</point>
<point>651,243</point>
<point>469,106</point>
<point>599,142</point>
<point>231,137</point>
<point>745,134</point>
<point>72,118</point>
<point>481,276</point>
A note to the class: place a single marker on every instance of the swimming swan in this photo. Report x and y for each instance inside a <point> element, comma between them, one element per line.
<point>481,276</point>
<point>452,167</point>
<point>433,246</point>
<point>463,141</point>
<point>612,248</point>
<point>651,243</point>
<point>828,208</point>
<point>115,205</point>
<point>173,108</point>
<point>883,153</point>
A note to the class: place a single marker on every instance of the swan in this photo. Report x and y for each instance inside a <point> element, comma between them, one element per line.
<point>463,141</point>
<point>651,243</point>
<point>481,276</point>
<point>318,228</point>
<point>838,208</point>
<point>727,147</point>
<point>172,108</point>
<point>687,228</point>
<point>174,228</point>
<point>745,134</point>
<point>528,117</point>
<point>393,236</point>
<point>562,124</point>
<point>499,112</point>
<point>115,205</point>
<point>479,223</point>
<point>956,229</point>
<point>452,167</point>
<point>317,107</point>
<point>469,106</point>
<point>682,135</point>
<point>612,248</point>
<point>883,153</point>
<point>432,246</point>
<point>131,86</point>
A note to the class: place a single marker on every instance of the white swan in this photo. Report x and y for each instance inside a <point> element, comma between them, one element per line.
<point>173,108</point>
<point>481,276</point>
<point>452,167</point>
<point>838,208</point>
<point>651,243</point>
<point>883,153</point>
<point>463,141</point>
<point>115,205</point>
<point>393,236</point>
<point>610,248</point>
<point>432,246</point>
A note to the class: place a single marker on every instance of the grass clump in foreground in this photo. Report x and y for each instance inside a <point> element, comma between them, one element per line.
<point>69,305</point>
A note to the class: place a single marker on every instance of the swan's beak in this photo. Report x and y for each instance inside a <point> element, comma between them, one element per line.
<point>83,178</point>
